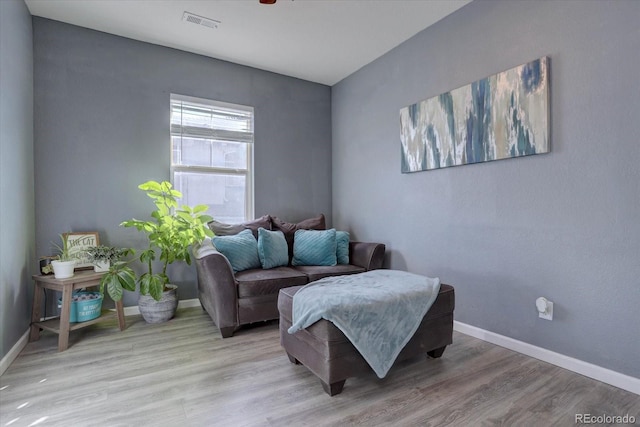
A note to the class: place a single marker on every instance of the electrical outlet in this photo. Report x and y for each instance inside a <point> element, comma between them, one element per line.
<point>545,308</point>
<point>548,314</point>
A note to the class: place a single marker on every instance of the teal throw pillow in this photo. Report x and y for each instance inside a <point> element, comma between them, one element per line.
<point>240,249</point>
<point>272,248</point>
<point>314,247</point>
<point>342,247</point>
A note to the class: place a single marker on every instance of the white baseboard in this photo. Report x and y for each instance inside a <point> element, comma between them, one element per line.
<point>599,373</point>
<point>14,352</point>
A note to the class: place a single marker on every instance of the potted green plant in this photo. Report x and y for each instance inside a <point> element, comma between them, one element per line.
<point>64,265</point>
<point>118,278</point>
<point>102,257</point>
<point>171,231</point>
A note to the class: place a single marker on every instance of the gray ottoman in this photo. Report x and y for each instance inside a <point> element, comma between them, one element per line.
<point>327,352</point>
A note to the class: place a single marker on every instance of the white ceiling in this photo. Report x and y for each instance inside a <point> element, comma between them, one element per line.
<point>322,41</point>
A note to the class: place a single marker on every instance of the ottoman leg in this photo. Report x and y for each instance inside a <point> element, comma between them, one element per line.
<point>437,352</point>
<point>333,388</point>
<point>293,359</point>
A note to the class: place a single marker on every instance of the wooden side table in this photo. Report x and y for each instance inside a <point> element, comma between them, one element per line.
<point>60,325</point>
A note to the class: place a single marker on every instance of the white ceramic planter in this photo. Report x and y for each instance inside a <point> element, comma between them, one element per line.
<point>63,269</point>
<point>101,266</point>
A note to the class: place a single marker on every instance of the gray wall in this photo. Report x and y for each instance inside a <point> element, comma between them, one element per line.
<point>564,225</point>
<point>102,128</point>
<point>17,223</point>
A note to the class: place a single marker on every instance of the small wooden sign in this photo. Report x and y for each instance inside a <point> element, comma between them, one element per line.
<point>78,243</point>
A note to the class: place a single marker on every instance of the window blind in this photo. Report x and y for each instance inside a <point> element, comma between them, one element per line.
<point>191,118</point>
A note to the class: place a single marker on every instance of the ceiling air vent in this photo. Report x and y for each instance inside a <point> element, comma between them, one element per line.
<point>200,20</point>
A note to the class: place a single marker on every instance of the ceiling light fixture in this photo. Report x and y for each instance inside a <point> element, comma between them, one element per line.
<point>200,20</point>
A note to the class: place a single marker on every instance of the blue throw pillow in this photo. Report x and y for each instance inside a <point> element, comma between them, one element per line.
<point>272,248</point>
<point>342,247</point>
<point>314,247</point>
<point>240,249</point>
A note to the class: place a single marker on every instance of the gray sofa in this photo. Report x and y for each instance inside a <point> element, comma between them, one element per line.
<point>235,299</point>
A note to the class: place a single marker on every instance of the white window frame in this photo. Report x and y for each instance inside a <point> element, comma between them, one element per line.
<point>249,213</point>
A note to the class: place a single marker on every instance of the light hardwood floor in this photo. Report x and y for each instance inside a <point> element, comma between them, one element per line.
<point>182,373</point>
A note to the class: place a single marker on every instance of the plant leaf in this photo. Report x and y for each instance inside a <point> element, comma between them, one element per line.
<point>127,279</point>
<point>147,255</point>
<point>145,281</point>
<point>114,288</point>
<point>156,287</point>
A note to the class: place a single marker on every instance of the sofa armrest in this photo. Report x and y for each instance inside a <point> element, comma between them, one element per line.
<point>217,289</point>
<point>367,255</point>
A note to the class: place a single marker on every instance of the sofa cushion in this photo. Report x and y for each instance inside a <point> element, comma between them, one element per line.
<point>222,229</point>
<point>314,247</point>
<point>257,282</point>
<point>241,250</point>
<point>272,248</point>
<point>342,247</point>
<point>289,228</point>
<point>317,272</point>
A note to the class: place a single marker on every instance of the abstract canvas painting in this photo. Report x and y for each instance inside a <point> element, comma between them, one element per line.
<point>502,116</point>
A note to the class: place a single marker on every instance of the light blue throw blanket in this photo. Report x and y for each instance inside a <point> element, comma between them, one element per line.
<point>378,311</point>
